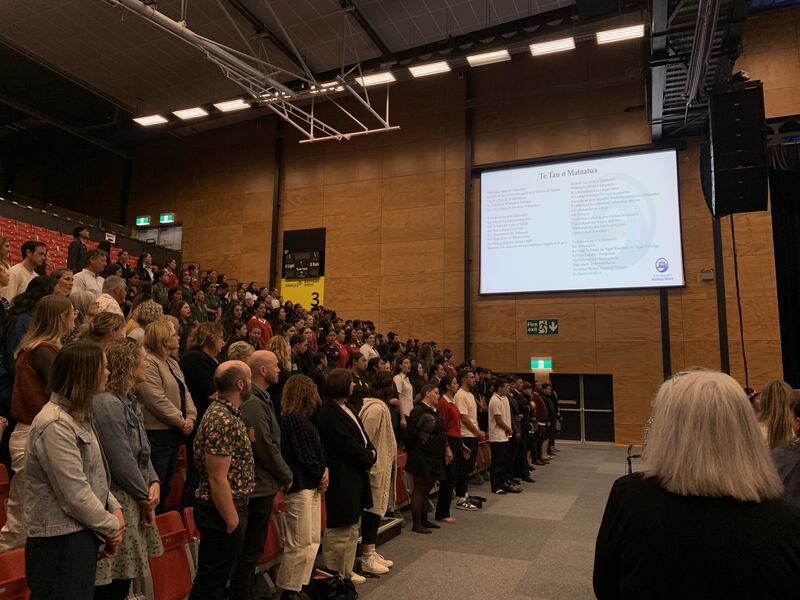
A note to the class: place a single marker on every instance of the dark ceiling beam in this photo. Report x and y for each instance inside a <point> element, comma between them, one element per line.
<point>454,45</point>
<point>58,123</point>
<point>659,22</point>
<point>261,29</point>
<point>366,26</point>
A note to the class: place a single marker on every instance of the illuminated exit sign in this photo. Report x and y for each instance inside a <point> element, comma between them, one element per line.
<point>167,218</point>
<point>541,363</point>
<point>145,220</point>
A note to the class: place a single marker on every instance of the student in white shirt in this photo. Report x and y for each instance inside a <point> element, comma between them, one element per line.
<point>368,349</point>
<point>21,274</point>
<point>499,433</point>
<point>404,387</point>
<point>89,279</point>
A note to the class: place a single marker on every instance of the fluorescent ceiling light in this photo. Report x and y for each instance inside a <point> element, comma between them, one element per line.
<point>487,58</point>
<point>329,84</point>
<point>553,46</point>
<point>232,105</point>
<point>190,113</point>
<point>150,120</point>
<point>376,79</point>
<point>430,69</point>
<point>618,35</point>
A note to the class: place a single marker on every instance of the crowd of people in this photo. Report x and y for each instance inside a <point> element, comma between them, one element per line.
<point>108,370</point>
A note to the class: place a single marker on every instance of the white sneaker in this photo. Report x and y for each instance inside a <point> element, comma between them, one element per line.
<point>357,579</point>
<point>370,564</point>
<point>385,562</point>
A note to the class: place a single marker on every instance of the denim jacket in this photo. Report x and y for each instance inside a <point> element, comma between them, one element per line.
<point>119,429</point>
<point>66,476</point>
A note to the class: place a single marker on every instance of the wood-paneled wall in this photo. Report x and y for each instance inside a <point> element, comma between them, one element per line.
<point>393,206</point>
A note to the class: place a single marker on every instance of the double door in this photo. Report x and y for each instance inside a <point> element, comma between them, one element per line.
<point>586,403</point>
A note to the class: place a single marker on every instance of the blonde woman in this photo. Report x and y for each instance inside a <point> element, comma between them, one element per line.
<point>87,307</point>
<point>53,319</point>
<point>775,417</point>
<point>168,411</point>
<point>147,312</point>
<point>706,504</point>
<point>103,329</point>
<point>280,347</point>
<point>134,483</point>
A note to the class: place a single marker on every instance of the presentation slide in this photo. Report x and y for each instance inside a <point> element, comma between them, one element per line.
<point>600,223</point>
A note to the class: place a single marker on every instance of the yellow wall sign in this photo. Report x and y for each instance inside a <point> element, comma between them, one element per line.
<point>307,292</point>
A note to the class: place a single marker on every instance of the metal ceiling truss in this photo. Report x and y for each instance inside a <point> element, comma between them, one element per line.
<point>259,78</point>
<point>694,46</point>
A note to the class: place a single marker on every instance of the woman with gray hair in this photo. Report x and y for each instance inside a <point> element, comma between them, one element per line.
<point>706,504</point>
<point>147,312</point>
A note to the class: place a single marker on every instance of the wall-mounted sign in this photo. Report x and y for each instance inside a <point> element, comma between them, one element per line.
<point>541,363</point>
<point>307,292</point>
<point>143,220</point>
<point>110,237</point>
<point>542,326</point>
<point>166,218</point>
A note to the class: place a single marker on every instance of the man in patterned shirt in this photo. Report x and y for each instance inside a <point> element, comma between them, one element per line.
<point>224,458</point>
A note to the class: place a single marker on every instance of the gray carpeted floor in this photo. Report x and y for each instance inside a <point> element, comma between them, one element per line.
<point>535,545</point>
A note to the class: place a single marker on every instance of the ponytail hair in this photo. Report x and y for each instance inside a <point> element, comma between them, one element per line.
<point>424,391</point>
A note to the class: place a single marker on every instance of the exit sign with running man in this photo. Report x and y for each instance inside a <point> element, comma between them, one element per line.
<point>542,326</point>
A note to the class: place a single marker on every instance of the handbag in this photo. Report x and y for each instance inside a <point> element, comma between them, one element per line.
<point>329,585</point>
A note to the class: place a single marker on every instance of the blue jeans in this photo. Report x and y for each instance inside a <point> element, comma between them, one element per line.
<point>62,567</point>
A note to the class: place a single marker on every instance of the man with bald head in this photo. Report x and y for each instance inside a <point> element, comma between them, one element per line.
<point>224,458</point>
<point>271,471</point>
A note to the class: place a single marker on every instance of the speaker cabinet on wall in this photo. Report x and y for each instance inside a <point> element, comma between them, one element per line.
<point>733,165</point>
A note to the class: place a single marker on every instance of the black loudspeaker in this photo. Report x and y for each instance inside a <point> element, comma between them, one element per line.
<point>733,164</point>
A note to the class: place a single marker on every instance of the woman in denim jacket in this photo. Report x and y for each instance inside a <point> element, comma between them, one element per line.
<point>134,483</point>
<point>69,511</point>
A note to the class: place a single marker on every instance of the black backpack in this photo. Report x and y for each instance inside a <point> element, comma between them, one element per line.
<point>329,585</point>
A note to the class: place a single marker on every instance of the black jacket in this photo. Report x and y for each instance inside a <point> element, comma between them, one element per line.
<point>658,545</point>
<point>349,462</point>
<point>76,256</point>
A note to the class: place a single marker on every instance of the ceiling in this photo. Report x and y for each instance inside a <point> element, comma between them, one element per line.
<point>142,69</point>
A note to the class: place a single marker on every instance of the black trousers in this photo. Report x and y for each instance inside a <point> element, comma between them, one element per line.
<point>466,465</point>
<point>510,453</point>
<point>498,467</point>
<point>552,437</point>
<point>219,551</point>
<point>445,496</point>
<point>62,567</point>
<point>369,528</point>
<point>259,511</point>
<point>164,459</point>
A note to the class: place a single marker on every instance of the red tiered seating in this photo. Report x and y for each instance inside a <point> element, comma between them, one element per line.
<point>172,571</point>
<point>5,486</point>
<point>12,575</point>
<point>273,546</point>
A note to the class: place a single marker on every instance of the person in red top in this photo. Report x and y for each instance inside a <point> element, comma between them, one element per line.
<point>542,418</point>
<point>259,320</point>
<point>344,351</point>
<point>447,409</point>
<point>449,367</point>
<point>172,278</point>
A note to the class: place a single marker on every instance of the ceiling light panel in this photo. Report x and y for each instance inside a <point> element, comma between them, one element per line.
<point>376,79</point>
<point>190,113</point>
<point>553,46</point>
<point>617,35</point>
<point>150,120</point>
<point>232,105</point>
<point>488,58</point>
<point>430,69</point>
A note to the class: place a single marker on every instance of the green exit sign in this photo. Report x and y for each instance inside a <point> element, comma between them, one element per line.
<point>541,363</point>
<point>167,218</point>
<point>145,220</point>
<point>542,327</point>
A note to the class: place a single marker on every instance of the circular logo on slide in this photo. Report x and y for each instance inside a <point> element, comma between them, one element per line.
<point>662,264</point>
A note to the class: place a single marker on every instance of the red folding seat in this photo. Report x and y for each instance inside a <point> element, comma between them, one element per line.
<point>5,485</point>
<point>12,575</point>
<point>171,572</point>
